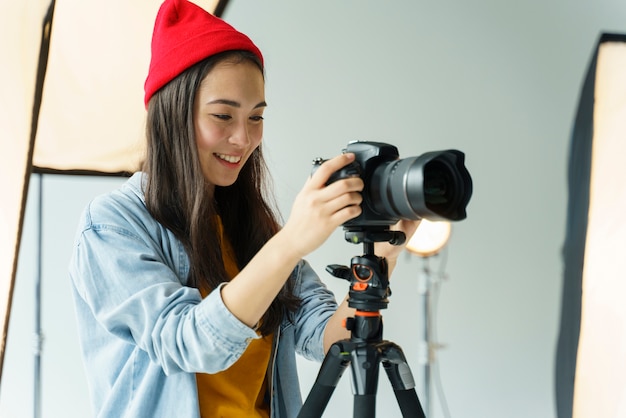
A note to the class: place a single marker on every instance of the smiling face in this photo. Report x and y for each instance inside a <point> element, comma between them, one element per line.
<point>228,119</point>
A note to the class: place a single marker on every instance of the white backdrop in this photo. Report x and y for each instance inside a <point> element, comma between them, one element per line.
<point>498,80</point>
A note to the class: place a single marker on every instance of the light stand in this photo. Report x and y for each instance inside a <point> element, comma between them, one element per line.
<point>427,241</point>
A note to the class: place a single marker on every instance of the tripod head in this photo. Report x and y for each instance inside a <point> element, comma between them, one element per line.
<point>368,274</point>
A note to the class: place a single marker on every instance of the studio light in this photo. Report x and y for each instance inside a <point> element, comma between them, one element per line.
<point>429,238</point>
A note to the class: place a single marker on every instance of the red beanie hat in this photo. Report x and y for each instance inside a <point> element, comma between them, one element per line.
<point>185,34</point>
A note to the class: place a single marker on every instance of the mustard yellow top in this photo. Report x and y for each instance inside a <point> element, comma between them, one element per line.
<point>240,390</point>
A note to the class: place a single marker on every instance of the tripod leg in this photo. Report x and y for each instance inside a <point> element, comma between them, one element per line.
<point>365,368</point>
<point>402,382</point>
<point>364,406</point>
<point>335,363</point>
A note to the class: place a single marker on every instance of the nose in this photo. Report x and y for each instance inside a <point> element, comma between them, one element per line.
<point>240,135</point>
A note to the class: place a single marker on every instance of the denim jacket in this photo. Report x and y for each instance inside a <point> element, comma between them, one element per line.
<point>144,334</point>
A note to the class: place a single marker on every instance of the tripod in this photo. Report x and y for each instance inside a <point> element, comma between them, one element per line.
<point>365,350</point>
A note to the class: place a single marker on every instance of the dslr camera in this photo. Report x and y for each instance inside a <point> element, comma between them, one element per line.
<point>435,186</point>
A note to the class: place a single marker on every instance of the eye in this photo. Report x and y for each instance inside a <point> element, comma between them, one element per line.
<point>221,116</point>
<point>257,118</point>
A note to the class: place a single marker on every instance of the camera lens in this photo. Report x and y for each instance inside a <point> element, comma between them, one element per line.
<point>435,185</point>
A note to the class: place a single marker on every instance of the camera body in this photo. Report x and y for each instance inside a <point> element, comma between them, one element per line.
<point>435,185</point>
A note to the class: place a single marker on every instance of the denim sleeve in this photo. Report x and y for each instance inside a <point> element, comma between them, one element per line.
<point>318,305</point>
<point>123,274</point>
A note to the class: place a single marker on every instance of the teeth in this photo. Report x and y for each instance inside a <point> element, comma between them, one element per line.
<point>230,158</point>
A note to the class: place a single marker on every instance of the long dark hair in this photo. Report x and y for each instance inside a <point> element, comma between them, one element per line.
<point>176,193</point>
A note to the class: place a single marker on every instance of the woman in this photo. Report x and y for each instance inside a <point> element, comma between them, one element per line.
<point>191,298</point>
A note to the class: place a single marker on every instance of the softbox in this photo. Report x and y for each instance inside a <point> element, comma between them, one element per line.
<point>591,360</point>
<point>72,79</point>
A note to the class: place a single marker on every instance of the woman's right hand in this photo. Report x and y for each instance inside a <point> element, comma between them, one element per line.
<point>319,209</point>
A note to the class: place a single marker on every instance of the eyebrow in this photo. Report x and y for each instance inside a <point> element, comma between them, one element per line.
<point>235,104</point>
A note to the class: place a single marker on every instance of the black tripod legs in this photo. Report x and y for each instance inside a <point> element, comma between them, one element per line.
<point>335,363</point>
<point>402,382</point>
<point>365,368</point>
<point>364,359</point>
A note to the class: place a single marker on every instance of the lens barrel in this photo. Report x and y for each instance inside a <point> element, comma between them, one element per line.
<point>435,185</point>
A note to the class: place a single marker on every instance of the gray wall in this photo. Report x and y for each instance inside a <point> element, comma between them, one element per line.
<point>498,80</point>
